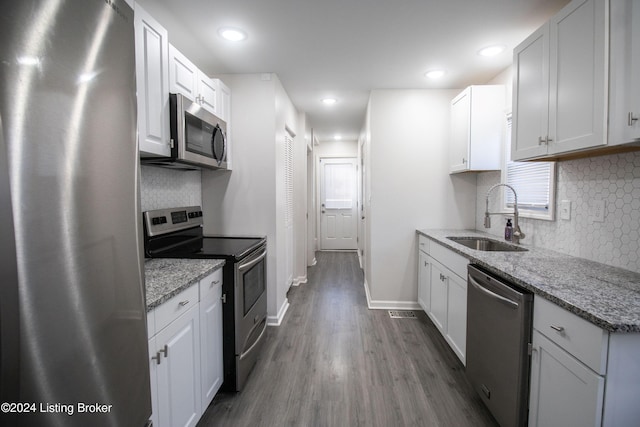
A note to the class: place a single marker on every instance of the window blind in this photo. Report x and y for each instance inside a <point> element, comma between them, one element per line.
<point>531,180</point>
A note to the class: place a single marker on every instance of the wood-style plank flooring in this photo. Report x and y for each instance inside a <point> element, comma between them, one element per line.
<point>334,362</point>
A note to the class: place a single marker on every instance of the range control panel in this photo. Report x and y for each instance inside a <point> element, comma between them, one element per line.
<point>162,221</point>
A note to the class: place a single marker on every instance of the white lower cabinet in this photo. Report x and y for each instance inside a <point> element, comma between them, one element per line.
<point>178,373</point>
<point>564,392</point>
<point>581,375</point>
<point>185,354</point>
<point>212,372</point>
<point>424,281</point>
<point>442,292</point>
<point>457,316</point>
<point>439,286</point>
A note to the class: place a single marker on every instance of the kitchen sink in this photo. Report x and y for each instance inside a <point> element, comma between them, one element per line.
<point>484,244</point>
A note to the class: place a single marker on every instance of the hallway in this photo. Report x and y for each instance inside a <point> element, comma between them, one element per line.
<point>334,362</point>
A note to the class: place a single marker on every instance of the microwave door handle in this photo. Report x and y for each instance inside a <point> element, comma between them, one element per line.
<point>248,265</point>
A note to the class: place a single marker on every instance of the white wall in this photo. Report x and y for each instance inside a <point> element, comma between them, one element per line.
<point>241,202</point>
<point>410,188</point>
<point>337,149</point>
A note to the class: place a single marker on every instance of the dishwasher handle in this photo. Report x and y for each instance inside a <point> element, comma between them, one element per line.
<point>506,301</point>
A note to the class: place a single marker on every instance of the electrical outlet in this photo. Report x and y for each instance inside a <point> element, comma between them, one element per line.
<point>565,209</point>
<point>597,210</point>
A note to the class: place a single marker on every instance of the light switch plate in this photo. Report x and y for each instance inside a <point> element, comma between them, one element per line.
<point>565,209</point>
<point>597,210</point>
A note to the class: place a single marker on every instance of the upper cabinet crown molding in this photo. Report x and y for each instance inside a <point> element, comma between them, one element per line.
<point>573,85</point>
<point>477,125</point>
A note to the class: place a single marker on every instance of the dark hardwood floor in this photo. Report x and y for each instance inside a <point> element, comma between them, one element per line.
<point>334,362</point>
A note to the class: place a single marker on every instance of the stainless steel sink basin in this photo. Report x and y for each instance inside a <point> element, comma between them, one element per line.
<point>485,244</point>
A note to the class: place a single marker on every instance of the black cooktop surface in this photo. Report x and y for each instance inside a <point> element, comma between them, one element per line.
<point>224,246</point>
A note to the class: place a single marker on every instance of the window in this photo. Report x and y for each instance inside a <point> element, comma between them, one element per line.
<point>533,181</point>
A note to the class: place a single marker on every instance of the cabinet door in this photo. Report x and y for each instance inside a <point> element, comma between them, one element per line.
<point>578,76</point>
<point>424,281</point>
<point>624,85</point>
<point>208,92</point>
<point>179,392</point>
<point>531,96</point>
<point>183,75</point>
<point>152,80</point>
<point>460,128</point>
<point>153,372</point>
<point>224,103</point>
<point>457,316</point>
<point>439,293</point>
<point>212,371</point>
<point>564,392</point>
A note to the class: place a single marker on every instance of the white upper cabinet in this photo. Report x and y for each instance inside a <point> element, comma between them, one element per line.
<point>224,102</point>
<point>575,90</point>
<point>477,118</point>
<point>187,79</point>
<point>624,86</point>
<point>152,79</point>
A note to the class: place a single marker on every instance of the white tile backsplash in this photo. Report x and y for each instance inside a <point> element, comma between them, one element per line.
<point>162,188</point>
<point>614,179</point>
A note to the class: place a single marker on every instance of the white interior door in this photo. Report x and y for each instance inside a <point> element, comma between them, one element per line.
<point>338,204</point>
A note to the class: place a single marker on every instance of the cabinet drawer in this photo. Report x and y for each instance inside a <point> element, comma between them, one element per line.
<point>209,283</point>
<point>172,309</point>
<point>423,243</point>
<point>453,261</point>
<point>583,340</point>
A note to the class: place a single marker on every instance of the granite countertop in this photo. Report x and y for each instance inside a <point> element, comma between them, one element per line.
<point>606,296</point>
<point>165,277</point>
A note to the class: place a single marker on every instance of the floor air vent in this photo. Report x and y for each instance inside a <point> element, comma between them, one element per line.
<point>396,314</point>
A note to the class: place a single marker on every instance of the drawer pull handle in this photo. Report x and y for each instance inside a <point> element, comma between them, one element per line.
<point>164,350</point>
<point>183,303</point>
<point>215,282</point>
<point>157,358</point>
<point>559,329</point>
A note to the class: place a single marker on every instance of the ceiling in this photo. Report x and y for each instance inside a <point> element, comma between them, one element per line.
<point>345,48</point>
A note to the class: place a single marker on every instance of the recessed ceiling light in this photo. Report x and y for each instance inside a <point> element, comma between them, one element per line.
<point>232,34</point>
<point>435,74</point>
<point>337,137</point>
<point>329,101</point>
<point>492,50</point>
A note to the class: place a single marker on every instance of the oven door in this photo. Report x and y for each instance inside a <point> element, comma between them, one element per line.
<point>250,311</point>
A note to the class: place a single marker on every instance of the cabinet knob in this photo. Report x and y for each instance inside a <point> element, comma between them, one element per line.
<point>631,119</point>
<point>542,141</point>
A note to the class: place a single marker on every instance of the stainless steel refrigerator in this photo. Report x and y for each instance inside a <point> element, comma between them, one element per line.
<point>73,342</point>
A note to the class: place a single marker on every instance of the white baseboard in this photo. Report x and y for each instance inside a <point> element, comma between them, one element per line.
<point>313,262</point>
<point>277,320</point>
<point>389,305</point>
<point>299,280</point>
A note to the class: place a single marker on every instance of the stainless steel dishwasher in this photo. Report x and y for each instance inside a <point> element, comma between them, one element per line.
<point>499,318</point>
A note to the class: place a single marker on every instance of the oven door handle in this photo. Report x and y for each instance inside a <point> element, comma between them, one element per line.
<point>253,262</point>
<point>256,342</point>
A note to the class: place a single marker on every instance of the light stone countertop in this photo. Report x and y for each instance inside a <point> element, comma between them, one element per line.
<point>606,296</point>
<point>167,277</point>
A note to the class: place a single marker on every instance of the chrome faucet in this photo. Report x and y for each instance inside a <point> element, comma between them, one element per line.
<point>517,233</point>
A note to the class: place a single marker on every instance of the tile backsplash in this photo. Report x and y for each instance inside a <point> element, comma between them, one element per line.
<point>162,188</point>
<point>614,179</point>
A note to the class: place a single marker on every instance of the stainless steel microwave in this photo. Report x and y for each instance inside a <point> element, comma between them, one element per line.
<point>198,137</point>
